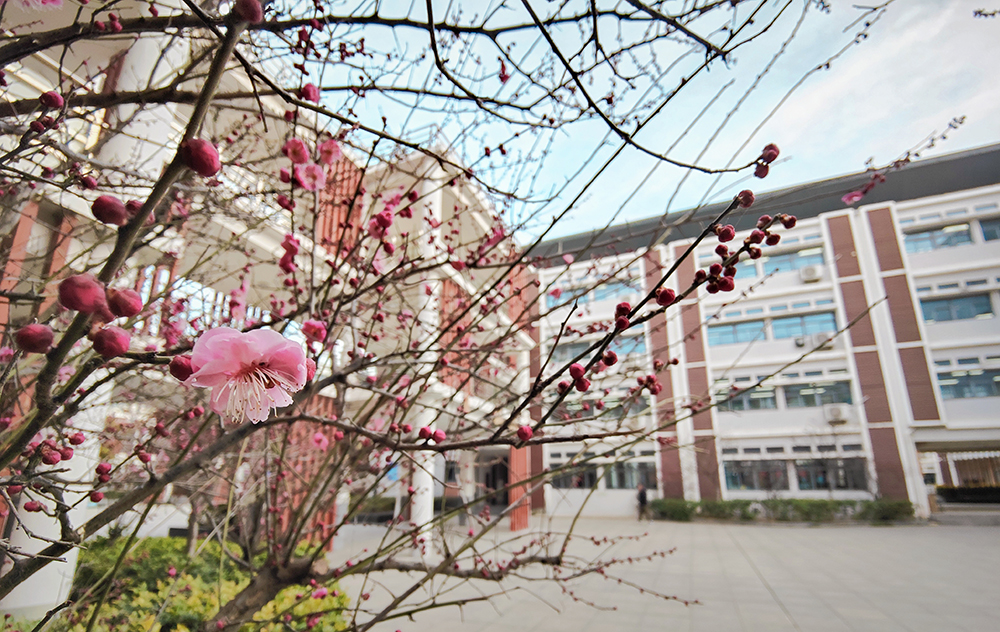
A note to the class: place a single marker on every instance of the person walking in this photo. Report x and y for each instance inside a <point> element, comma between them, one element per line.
<point>641,497</point>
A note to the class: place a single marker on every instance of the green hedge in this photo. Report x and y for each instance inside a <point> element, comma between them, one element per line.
<point>143,594</point>
<point>672,509</point>
<point>147,562</point>
<point>784,510</point>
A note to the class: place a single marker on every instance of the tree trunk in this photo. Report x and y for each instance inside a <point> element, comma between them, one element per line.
<point>263,588</point>
<point>192,528</point>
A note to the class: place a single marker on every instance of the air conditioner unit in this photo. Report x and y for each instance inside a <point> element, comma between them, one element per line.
<point>801,341</point>
<point>823,340</point>
<point>837,414</point>
<point>811,274</point>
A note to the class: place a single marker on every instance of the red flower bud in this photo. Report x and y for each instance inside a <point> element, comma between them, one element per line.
<point>761,171</point>
<point>756,236</point>
<point>248,11</point>
<point>103,468</point>
<point>124,303</point>
<point>788,221</point>
<point>32,506</point>
<point>14,489</point>
<point>726,284</point>
<point>745,198</point>
<point>725,233</point>
<point>103,478</point>
<point>96,496</point>
<point>77,439</point>
<point>51,457</point>
<point>88,182</point>
<point>770,153</point>
<point>111,342</point>
<point>712,287</point>
<point>51,99</point>
<point>424,433</point>
<point>110,210</point>
<point>621,322</point>
<point>665,296</point>
<point>610,358</point>
<point>66,453</point>
<point>763,221</point>
<point>82,293</point>
<point>755,253</point>
<point>563,386</point>
<point>772,239</point>
<point>34,338</point>
<point>439,436</point>
<point>576,371</point>
<point>715,269</point>
<point>582,385</point>
<point>201,156</point>
<point>524,433</point>
<point>180,367</point>
<point>309,92</point>
<point>622,309</point>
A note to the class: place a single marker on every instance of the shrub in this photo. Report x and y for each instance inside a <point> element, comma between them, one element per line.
<point>672,509</point>
<point>809,510</point>
<point>728,509</point>
<point>147,563</point>
<point>184,604</point>
<point>779,509</point>
<point>882,511</point>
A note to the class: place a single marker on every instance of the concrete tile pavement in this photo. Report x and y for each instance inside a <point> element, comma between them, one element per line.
<point>772,578</point>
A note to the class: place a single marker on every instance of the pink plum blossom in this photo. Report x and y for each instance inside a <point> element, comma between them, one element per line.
<point>320,441</point>
<point>249,373</point>
<point>310,177</point>
<point>329,152</point>
<point>314,330</point>
<point>852,197</point>
<point>296,151</point>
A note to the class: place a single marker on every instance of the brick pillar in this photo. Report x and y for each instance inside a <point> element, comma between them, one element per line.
<point>696,369</point>
<point>871,351</point>
<point>517,471</point>
<point>671,484</point>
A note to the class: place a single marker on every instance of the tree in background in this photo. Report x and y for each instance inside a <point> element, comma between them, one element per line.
<point>269,255</point>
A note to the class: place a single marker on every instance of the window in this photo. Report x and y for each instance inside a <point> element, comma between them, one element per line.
<point>630,475</point>
<point>947,237</point>
<point>614,290</point>
<point>991,229</point>
<point>760,398</point>
<point>576,478</point>
<point>567,351</point>
<point>775,450</point>
<point>794,326</point>
<point>817,394</point>
<point>762,475</point>
<point>801,448</point>
<point>627,345</point>
<point>450,472</point>
<point>969,384</point>
<point>957,308</point>
<point>793,260</point>
<point>735,333</point>
<point>851,447</point>
<point>832,474</point>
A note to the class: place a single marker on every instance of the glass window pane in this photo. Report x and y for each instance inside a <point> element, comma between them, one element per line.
<point>956,308</point>
<point>991,229</point>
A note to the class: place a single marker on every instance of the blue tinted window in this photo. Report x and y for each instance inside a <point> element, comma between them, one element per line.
<point>947,237</point>
<point>793,260</point>
<point>968,384</point>
<point>794,326</point>
<point>735,333</point>
<point>957,308</point>
<point>991,229</point>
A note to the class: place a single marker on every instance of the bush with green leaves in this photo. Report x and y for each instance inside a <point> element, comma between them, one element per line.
<point>672,509</point>
<point>184,603</point>
<point>148,562</point>
<point>883,511</point>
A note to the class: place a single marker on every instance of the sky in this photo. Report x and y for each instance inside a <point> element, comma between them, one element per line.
<point>924,63</point>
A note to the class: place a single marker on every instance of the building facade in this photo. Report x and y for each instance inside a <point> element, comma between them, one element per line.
<point>857,358</point>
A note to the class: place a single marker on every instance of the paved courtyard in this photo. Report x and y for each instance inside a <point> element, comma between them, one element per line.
<point>754,577</point>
